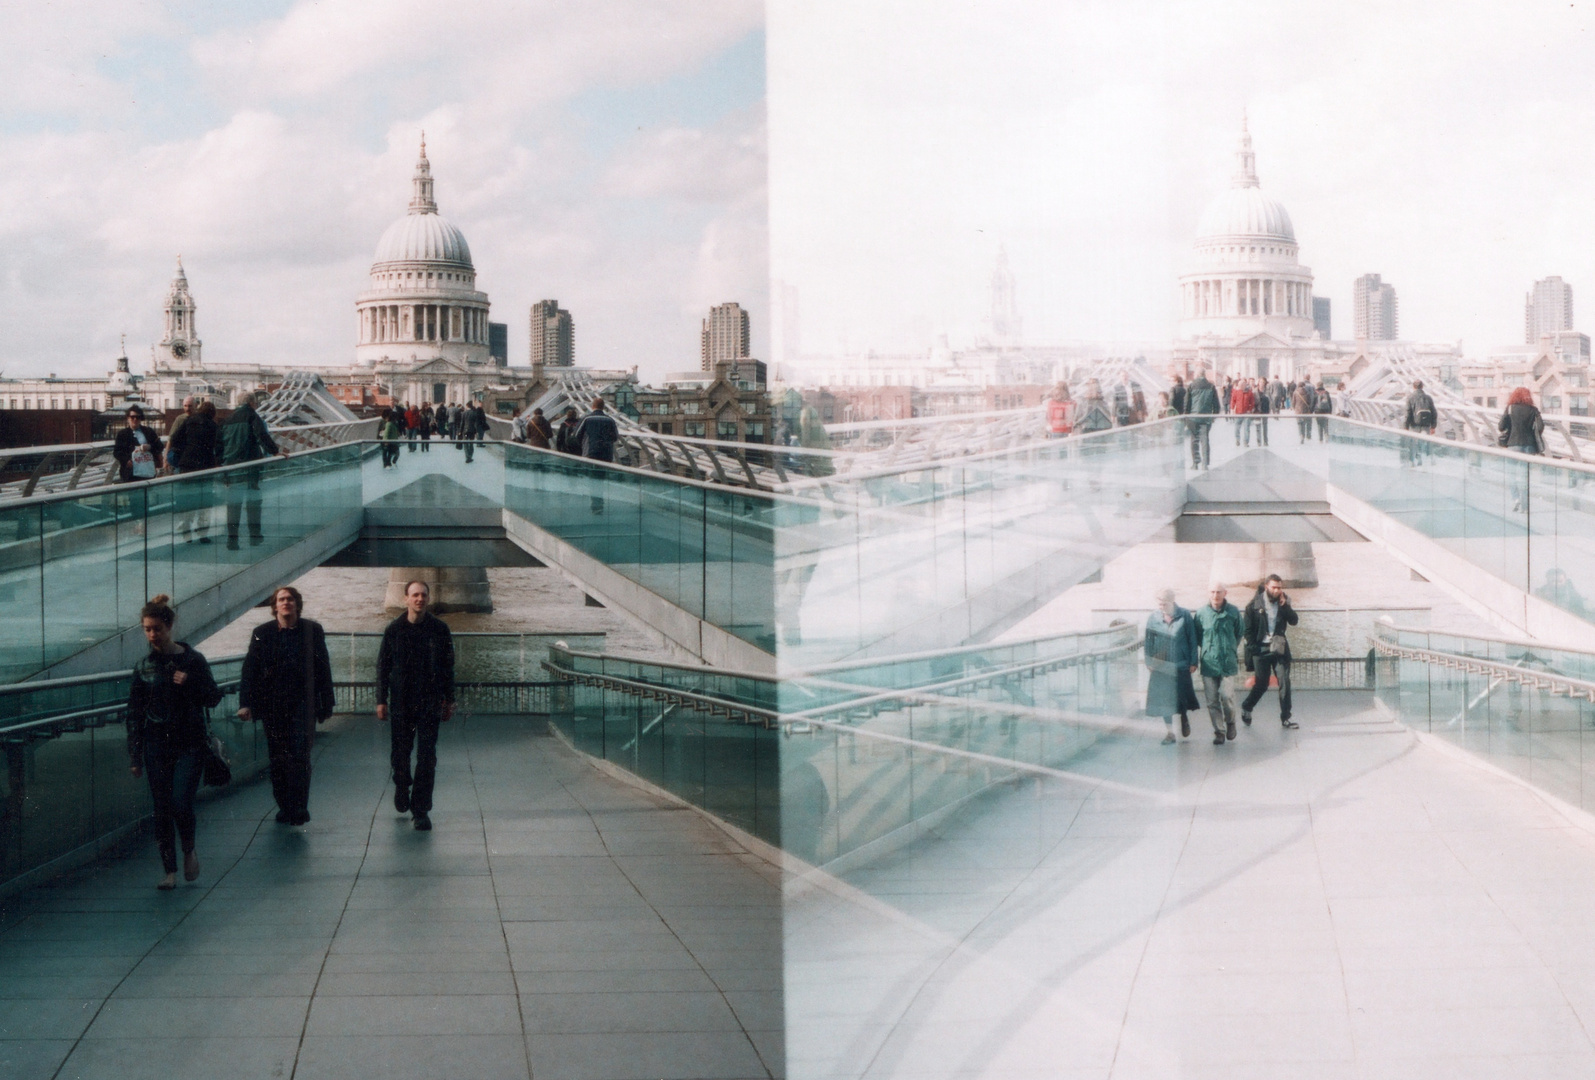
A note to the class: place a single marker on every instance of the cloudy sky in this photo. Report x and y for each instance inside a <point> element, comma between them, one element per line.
<point>1448,145</point>
<point>608,153</point>
<point>611,154</point>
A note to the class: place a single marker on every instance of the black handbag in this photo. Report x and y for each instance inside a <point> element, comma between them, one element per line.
<point>217,771</point>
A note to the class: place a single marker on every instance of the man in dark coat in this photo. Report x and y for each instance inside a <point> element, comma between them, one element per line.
<point>597,433</point>
<point>415,693</point>
<point>1267,647</point>
<point>286,684</point>
<point>1201,405</point>
<point>1170,650</point>
<point>244,438</point>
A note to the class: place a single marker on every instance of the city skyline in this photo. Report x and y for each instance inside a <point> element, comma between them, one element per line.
<point>1444,145</point>
<point>270,144</point>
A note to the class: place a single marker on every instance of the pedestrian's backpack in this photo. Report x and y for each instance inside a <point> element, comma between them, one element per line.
<point>1324,405</point>
<point>1423,412</point>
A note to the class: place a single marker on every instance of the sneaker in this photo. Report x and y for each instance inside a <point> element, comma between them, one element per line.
<point>1185,726</point>
<point>422,822</point>
<point>1218,738</point>
<point>1246,718</point>
<point>190,866</point>
<point>401,800</point>
<point>1168,739</point>
<point>1286,722</point>
<point>1229,730</point>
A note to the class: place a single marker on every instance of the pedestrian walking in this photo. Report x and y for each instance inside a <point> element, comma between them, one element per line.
<point>166,733</point>
<point>442,418</point>
<point>597,433</point>
<point>1241,403</point>
<point>415,694</point>
<point>1522,429</point>
<point>1060,411</point>
<point>196,445</point>
<point>190,404</point>
<point>1219,629</point>
<point>1263,405</point>
<point>244,438</point>
<point>1323,406</point>
<point>474,423</point>
<point>1301,404</point>
<point>428,426</point>
<point>539,432</point>
<point>388,435</point>
<point>138,451</point>
<point>1093,414</point>
<point>412,426</point>
<point>286,686</point>
<point>1422,416</point>
<point>1268,648</point>
<point>1170,652</point>
<point>1177,395</point>
<point>565,437</point>
<point>1202,405</point>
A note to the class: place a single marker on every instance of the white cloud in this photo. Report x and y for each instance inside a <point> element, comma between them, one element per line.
<point>277,206</point>
<point>1443,144</point>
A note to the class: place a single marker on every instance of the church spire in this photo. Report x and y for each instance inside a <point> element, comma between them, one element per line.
<point>421,201</point>
<point>1245,161</point>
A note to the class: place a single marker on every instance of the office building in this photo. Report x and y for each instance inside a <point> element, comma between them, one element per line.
<point>725,335</point>
<point>1321,324</point>
<point>1373,309</point>
<point>553,335</point>
<point>1547,309</point>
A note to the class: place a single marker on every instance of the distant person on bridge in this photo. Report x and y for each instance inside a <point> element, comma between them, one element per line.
<point>597,433</point>
<point>1264,404</point>
<point>474,425</point>
<point>442,418</point>
<point>1242,403</point>
<point>412,426</point>
<point>245,438</point>
<point>565,437</point>
<point>190,403</point>
<point>1301,403</point>
<point>1093,413</point>
<point>196,446</point>
<point>139,452</point>
<point>1267,648</point>
<point>388,435</point>
<point>1219,629</point>
<point>1521,427</point>
<point>428,426</point>
<point>166,733</point>
<point>415,693</point>
<point>1323,407</point>
<point>1060,411</point>
<point>1202,405</point>
<point>287,686</point>
<point>1559,590</point>
<point>539,432</point>
<point>1421,415</point>
<point>1170,652</point>
<point>1177,395</point>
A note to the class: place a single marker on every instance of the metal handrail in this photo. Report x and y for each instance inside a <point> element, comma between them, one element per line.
<point>1547,681</point>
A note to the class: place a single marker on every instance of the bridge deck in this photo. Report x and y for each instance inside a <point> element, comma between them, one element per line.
<point>555,921</point>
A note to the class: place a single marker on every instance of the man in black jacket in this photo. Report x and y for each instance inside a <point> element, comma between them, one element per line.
<point>1267,648</point>
<point>415,692</point>
<point>286,684</point>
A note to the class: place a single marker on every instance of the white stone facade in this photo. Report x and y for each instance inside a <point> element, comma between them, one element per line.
<point>422,303</point>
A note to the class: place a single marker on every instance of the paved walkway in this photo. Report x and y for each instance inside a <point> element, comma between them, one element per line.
<point>1335,903</point>
<point>556,922</point>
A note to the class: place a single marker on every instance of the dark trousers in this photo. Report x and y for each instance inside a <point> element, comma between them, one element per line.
<point>1201,443</point>
<point>243,490</point>
<point>1323,428</point>
<point>174,777</point>
<point>426,441</point>
<point>470,448</point>
<point>288,744</point>
<point>418,732</point>
<point>1266,665</point>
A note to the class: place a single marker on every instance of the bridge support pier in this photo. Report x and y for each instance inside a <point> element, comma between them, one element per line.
<point>1249,564</point>
<point>453,588</point>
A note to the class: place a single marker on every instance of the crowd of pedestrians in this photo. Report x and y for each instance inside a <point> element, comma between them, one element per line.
<point>415,425</point>
<point>285,686</point>
<point>1215,640</point>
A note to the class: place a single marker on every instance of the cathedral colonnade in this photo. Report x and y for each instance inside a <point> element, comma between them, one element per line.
<point>1247,296</point>
<point>384,323</point>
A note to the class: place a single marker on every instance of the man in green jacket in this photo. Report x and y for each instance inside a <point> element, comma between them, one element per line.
<point>1219,628</point>
<point>244,438</point>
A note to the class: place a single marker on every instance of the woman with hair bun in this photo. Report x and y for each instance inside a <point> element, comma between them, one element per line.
<point>172,689</point>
